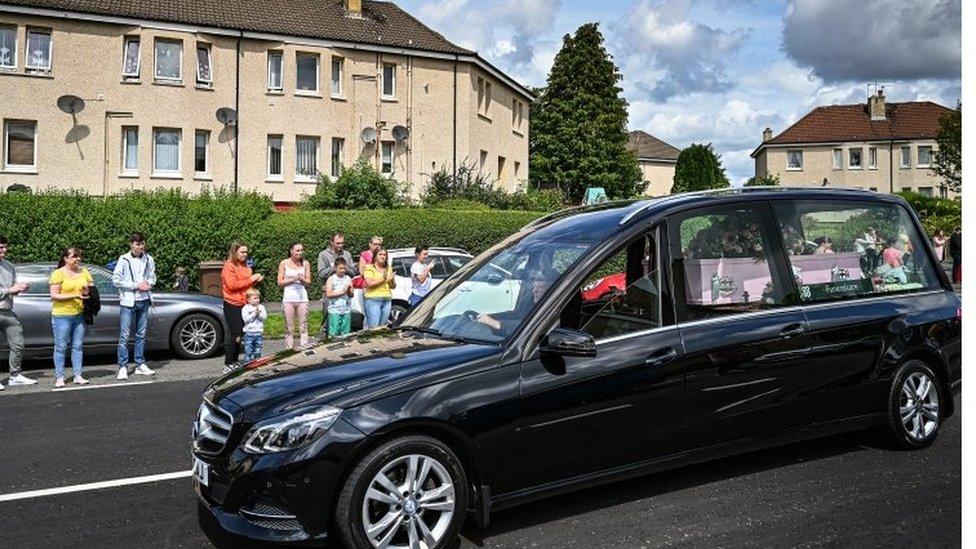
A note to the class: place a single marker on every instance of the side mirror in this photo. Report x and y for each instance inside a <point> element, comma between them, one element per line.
<point>566,342</point>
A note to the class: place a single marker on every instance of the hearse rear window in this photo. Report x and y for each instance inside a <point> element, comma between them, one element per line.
<point>837,251</point>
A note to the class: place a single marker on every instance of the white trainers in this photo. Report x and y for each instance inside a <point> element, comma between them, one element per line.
<point>81,381</point>
<point>144,370</point>
<point>1,385</point>
<point>20,379</point>
<point>59,382</point>
<point>123,374</point>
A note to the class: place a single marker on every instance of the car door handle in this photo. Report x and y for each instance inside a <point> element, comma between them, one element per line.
<point>661,357</point>
<point>791,330</point>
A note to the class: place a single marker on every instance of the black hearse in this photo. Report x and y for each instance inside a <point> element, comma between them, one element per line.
<point>732,320</point>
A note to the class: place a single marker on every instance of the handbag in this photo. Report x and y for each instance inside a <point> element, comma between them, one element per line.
<point>91,306</point>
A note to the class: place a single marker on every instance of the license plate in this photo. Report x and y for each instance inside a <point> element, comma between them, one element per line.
<point>201,472</point>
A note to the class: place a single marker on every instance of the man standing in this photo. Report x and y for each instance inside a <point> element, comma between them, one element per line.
<point>134,276</point>
<point>419,276</point>
<point>955,251</point>
<point>9,324</point>
<point>326,266</point>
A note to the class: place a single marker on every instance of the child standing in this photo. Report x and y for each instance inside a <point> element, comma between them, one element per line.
<point>254,314</point>
<point>182,282</point>
<point>338,289</point>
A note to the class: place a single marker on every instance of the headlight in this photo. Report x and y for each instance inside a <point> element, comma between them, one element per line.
<point>291,431</point>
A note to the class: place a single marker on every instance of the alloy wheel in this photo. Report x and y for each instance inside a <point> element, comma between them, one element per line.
<point>198,337</point>
<point>919,406</point>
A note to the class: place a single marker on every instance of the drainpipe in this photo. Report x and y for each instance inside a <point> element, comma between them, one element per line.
<point>407,144</point>
<point>891,167</point>
<point>454,140</point>
<point>237,109</point>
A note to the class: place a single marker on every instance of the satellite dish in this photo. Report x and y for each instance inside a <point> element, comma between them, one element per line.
<point>368,135</point>
<point>71,104</point>
<point>400,133</point>
<point>226,116</point>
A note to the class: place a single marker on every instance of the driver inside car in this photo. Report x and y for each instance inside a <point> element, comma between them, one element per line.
<point>507,322</point>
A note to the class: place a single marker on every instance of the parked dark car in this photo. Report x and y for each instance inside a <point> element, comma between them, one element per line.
<point>730,335</point>
<point>189,325</point>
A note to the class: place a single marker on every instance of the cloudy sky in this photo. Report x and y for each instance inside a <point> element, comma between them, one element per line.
<point>719,71</point>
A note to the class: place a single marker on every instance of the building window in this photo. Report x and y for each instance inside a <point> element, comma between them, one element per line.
<point>20,145</point>
<point>906,157</point>
<point>386,157</point>
<point>854,158</point>
<point>794,160</point>
<point>204,74</point>
<point>873,158</point>
<point>838,159</point>
<point>307,72</point>
<point>201,152</point>
<point>336,76</point>
<point>926,191</point>
<point>8,48</point>
<point>501,168</point>
<point>337,144</point>
<point>389,80</point>
<point>274,70</point>
<point>517,167</point>
<point>130,58</point>
<point>39,49</point>
<point>482,160</point>
<point>517,115</point>
<point>166,150</point>
<point>274,157</point>
<point>130,149</point>
<point>924,156</point>
<point>873,189</point>
<point>484,96</point>
<point>169,60</point>
<point>306,158</point>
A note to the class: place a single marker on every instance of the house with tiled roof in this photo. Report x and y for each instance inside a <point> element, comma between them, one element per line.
<point>656,159</point>
<point>255,95</point>
<point>884,147</point>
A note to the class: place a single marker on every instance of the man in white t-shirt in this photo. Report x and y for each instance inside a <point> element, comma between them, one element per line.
<point>419,276</point>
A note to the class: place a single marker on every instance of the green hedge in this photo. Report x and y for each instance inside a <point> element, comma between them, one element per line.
<point>935,213</point>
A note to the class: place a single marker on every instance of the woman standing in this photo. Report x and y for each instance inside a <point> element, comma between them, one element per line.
<point>379,286</point>
<point>294,273</point>
<point>939,242</point>
<point>70,284</point>
<point>236,279</point>
<point>366,256</point>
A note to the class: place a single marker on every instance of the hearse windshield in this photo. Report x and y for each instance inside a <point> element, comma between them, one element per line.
<point>490,297</point>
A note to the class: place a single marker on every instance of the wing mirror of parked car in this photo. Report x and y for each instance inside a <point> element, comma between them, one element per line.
<point>566,342</point>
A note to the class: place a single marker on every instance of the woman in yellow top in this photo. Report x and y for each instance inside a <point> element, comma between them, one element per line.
<point>379,286</point>
<point>70,284</point>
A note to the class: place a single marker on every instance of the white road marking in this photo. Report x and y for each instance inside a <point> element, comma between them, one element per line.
<point>83,387</point>
<point>94,486</point>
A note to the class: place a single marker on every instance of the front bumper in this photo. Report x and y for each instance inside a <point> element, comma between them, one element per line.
<point>281,497</point>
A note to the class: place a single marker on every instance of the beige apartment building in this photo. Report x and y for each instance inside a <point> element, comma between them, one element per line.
<point>883,147</point>
<point>254,95</point>
<point>656,160</point>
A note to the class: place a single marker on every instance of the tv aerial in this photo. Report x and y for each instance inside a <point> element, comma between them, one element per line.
<point>226,116</point>
<point>400,133</point>
<point>368,135</point>
<point>71,104</point>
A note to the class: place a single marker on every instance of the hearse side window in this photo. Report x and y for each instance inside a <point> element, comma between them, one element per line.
<point>401,266</point>
<point>619,296</point>
<point>720,263</point>
<point>837,251</point>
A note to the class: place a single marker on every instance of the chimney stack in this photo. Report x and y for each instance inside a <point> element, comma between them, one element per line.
<point>767,134</point>
<point>876,105</point>
<point>354,7</point>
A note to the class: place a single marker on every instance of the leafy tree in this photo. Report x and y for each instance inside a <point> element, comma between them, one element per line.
<point>948,159</point>
<point>578,137</point>
<point>698,168</point>
<point>768,180</point>
<point>360,187</point>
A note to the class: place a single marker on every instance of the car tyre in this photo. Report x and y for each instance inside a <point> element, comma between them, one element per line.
<point>916,407</point>
<point>379,497</point>
<point>397,312</point>
<point>196,336</point>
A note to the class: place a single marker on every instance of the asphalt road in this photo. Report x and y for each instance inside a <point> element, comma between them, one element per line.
<point>842,490</point>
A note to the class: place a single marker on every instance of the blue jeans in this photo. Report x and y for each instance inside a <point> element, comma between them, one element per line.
<point>414,299</point>
<point>140,311</point>
<point>377,311</point>
<point>253,346</point>
<point>69,331</point>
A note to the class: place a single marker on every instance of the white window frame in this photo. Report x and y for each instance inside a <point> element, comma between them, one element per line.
<point>393,81</point>
<point>918,157</point>
<point>206,154</point>
<point>179,75</point>
<point>280,55</point>
<point>317,92</point>
<point>206,82</point>
<point>13,51</point>
<point>384,147</point>
<point>838,159</point>
<point>906,154</point>
<point>175,174</point>
<point>927,191</point>
<point>340,62</point>
<point>791,168</point>
<point>125,52</point>
<point>280,176</point>
<point>303,178</point>
<point>50,49</point>
<point>872,158</point>
<point>850,158</point>
<point>336,168</point>
<point>20,168</point>
<point>125,151</point>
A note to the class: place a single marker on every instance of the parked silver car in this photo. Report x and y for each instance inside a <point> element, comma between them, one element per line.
<point>189,325</point>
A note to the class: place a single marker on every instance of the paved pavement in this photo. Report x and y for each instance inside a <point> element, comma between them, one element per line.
<point>838,491</point>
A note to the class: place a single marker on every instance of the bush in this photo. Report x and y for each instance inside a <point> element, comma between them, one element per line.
<point>935,213</point>
<point>470,185</point>
<point>180,230</point>
<point>360,187</point>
